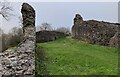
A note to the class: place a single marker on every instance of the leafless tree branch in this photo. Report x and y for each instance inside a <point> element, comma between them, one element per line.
<point>5,10</point>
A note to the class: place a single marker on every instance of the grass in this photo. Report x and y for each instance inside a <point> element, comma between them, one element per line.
<point>67,56</point>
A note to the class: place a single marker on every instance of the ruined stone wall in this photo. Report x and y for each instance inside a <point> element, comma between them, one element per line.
<point>21,61</point>
<point>95,32</point>
<point>46,36</point>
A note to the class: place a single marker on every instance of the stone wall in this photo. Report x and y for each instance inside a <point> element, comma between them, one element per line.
<point>20,62</point>
<point>46,36</point>
<point>95,32</point>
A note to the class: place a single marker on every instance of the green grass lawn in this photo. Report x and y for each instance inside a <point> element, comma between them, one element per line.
<point>67,56</point>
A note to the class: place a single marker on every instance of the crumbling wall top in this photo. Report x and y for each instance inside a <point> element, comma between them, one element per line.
<point>78,19</point>
<point>28,14</point>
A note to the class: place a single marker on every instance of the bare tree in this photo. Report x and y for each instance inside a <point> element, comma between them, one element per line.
<point>63,30</point>
<point>5,10</point>
<point>16,36</point>
<point>0,43</point>
<point>14,30</point>
<point>4,41</point>
<point>45,26</point>
<point>1,31</point>
<point>11,39</point>
<point>20,21</point>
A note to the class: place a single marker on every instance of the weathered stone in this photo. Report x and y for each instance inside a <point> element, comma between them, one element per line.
<point>114,40</point>
<point>94,32</point>
<point>9,66</point>
<point>14,63</point>
<point>5,61</point>
<point>46,36</point>
<point>78,19</point>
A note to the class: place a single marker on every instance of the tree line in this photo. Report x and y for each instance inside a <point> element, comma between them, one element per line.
<point>11,39</point>
<point>47,27</point>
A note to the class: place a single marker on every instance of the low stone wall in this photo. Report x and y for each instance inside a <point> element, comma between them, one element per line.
<point>46,36</point>
<point>20,61</point>
<point>95,32</point>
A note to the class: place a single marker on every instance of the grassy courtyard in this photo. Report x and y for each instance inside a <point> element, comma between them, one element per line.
<point>67,56</point>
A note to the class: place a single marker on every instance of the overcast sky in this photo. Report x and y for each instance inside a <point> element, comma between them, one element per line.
<point>61,14</point>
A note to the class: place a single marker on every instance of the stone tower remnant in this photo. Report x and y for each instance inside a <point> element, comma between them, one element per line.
<point>28,14</point>
<point>21,61</point>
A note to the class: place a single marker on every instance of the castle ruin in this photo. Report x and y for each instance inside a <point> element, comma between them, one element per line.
<point>95,32</point>
<point>21,61</point>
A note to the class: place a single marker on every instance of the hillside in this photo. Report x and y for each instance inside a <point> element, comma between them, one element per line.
<point>67,56</point>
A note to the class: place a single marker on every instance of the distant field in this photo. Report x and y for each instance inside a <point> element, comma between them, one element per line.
<point>67,56</point>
